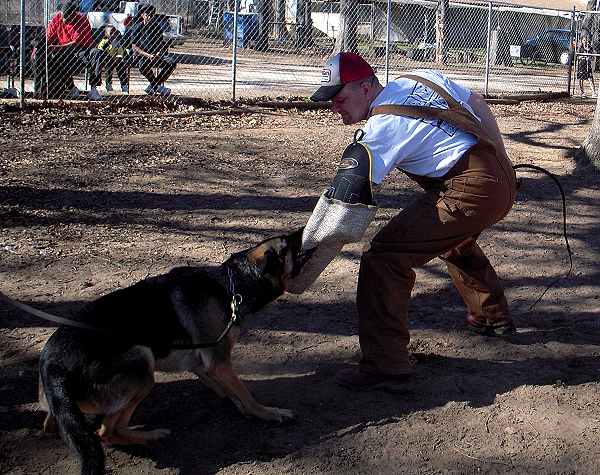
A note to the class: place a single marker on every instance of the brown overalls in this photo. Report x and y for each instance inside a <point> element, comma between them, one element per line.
<point>445,222</point>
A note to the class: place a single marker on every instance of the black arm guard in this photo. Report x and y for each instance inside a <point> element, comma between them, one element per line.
<point>352,184</point>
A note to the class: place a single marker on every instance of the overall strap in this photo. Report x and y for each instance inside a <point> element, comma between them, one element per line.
<point>453,103</point>
<point>455,115</point>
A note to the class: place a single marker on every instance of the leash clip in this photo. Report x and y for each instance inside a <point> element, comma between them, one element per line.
<point>358,135</point>
<point>236,301</point>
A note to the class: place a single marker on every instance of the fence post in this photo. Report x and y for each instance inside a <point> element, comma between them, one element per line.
<point>46,72</point>
<point>571,51</point>
<point>487,51</point>
<point>22,56</point>
<point>387,41</point>
<point>234,46</point>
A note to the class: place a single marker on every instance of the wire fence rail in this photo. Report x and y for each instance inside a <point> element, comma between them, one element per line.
<point>235,49</point>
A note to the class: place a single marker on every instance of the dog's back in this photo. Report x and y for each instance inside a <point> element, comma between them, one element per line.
<point>110,371</point>
<point>138,326</point>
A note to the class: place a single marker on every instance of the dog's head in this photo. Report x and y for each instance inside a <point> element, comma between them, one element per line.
<point>264,270</point>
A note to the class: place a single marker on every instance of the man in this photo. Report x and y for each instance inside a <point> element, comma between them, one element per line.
<point>149,49</point>
<point>445,138</point>
<point>69,40</point>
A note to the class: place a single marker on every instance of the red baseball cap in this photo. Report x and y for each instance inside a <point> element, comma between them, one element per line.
<point>339,70</point>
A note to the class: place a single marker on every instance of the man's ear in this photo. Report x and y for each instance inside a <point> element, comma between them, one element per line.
<point>365,87</point>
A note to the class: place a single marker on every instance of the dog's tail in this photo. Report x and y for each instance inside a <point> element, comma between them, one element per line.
<point>72,425</point>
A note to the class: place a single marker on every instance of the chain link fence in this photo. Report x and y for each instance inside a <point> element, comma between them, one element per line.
<point>231,49</point>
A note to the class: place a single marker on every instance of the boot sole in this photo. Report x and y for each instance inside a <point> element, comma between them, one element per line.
<point>390,386</point>
<point>492,331</point>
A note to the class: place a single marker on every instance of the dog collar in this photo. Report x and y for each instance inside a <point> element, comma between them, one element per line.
<point>236,299</point>
<point>235,319</point>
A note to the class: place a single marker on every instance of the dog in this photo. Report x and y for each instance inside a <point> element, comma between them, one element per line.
<point>107,367</point>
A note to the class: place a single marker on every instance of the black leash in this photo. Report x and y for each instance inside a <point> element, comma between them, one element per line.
<point>564,211</point>
<point>236,301</point>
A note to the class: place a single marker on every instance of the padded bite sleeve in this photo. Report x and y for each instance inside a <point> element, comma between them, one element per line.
<point>341,215</point>
<point>352,183</point>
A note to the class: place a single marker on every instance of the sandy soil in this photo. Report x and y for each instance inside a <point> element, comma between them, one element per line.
<point>91,201</point>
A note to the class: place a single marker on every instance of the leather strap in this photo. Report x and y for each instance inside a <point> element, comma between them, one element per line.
<point>455,115</point>
<point>453,103</point>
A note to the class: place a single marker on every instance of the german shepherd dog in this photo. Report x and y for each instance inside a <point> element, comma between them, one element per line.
<point>109,373</point>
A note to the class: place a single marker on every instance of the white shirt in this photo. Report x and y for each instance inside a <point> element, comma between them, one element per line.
<point>418,146</point>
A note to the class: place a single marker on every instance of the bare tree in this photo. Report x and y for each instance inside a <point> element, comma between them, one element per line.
<point>589,152</point>
<point>265,11</point>
<point>281,33</point>
<point>304,25</point>
<point>347,39</point>
<point>590,148</point>
<point>441,50</point>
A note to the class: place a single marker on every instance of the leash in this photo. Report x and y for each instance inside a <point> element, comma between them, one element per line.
<point>236,301</point>
<point>53,318</point>
<point>564,226</point>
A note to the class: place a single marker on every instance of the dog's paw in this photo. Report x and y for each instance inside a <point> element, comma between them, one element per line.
<point>276,414</point>
<point>50,425</point>
<point>127,436</point>
<point>157,434</point>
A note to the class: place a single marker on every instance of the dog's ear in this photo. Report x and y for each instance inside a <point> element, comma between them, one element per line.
<point>271,248</point>
<point>258,255</point>
<point>295,236</point>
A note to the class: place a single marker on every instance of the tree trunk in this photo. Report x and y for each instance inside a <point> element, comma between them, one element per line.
<point>590,149</point>
<point>304,37</point>
<point>281,33</point>
<point>503,44</point>
<point>265,15</point>
<point>347,37</point>
<point>441,50</point>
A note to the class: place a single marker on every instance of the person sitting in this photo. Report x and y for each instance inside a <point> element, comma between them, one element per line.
<point>69,41</point>
<point>584,65</point>
<point>113,58</point>
<point>149,50</point>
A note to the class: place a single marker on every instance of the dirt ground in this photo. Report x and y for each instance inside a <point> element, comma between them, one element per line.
<point>91,201</point>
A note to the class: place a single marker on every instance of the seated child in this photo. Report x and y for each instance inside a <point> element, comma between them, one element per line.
<point>114,51</point>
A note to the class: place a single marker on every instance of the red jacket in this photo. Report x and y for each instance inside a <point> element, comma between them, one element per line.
<point>61,33</point>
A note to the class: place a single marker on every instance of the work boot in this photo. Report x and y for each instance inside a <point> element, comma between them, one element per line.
<point>94,95</point>
<point>358,379</point>
<point>74,93</point>
<point>163,91</point>
<point>502,327</point>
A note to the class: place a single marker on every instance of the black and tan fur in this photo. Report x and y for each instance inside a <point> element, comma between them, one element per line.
<point>85,372</point>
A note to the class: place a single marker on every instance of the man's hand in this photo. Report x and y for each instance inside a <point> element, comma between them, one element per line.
<point>59,47</point>
<point>139,51</point>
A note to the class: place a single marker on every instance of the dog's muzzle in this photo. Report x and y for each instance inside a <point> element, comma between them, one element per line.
<point>341,216</point>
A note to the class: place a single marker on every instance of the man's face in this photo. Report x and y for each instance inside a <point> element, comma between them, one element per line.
<point>352,102</point>
<point>146,16</point>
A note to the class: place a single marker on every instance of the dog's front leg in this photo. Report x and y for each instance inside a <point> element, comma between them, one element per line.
<point>237,391</point>
<point>209,382</point>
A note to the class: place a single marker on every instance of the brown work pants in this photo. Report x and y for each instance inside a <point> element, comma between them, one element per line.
<point>445,222</point>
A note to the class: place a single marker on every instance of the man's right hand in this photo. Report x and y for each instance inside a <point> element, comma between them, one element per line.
<point>59,47</point>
